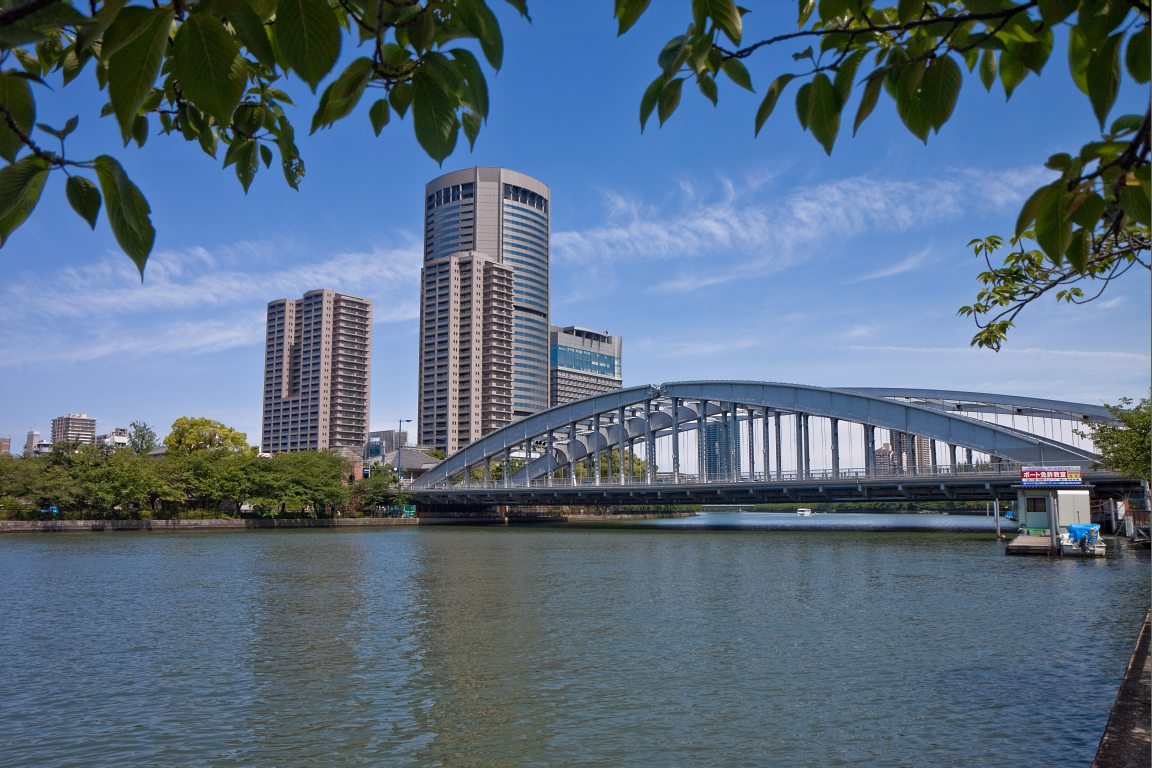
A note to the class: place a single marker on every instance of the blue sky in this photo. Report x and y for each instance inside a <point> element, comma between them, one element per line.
<point>714,254</point>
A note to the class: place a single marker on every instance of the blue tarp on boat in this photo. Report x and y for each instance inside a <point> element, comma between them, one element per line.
<point>1078,531</point>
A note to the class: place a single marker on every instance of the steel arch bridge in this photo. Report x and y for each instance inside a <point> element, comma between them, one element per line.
<point>733,441</point>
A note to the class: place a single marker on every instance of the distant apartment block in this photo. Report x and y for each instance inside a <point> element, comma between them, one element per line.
<point>117,438</point>
<point>5,446</point>
<point>583,363</point>
<point>317,366</point>
<point>484,304</point>
<point>383,442</point>
<point>721,447</point>
<point>74,428</point>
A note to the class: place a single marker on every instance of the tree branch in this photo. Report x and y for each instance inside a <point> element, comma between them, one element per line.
<point>955,21</point>
<point>12,15</point>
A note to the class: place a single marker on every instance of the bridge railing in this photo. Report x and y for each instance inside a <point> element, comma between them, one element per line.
<point>942,471</point>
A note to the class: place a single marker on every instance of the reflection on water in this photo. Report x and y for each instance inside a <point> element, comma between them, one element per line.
<point>460,647</point>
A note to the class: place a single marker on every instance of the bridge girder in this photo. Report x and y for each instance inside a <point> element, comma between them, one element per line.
<point>696,400</point>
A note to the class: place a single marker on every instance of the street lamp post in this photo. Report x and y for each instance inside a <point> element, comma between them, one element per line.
<point>399,448</point>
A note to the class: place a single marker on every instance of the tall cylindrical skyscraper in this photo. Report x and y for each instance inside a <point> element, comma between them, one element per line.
<point>480,225</point>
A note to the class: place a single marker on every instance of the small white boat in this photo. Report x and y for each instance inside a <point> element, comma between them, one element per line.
<point>803,512</point>
<point>1082,540</point>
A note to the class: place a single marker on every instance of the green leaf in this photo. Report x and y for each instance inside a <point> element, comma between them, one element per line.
<point>247,162</point>
<point>434,105</point>
<point>97,27</point>
<point>84,198</point>
<point>32,28</point>
<point>707,87</point>
<point>805,11</point>
<point>725,14</point>
<point>1079,54</point>
<point>342,96</point>
<point>628,12</point>
<point>266,155</point>
<point>846,75</point>
<point>1087,210</point>
<point>1055,11</point>
<point>1053,226</point>
<point>17,179</point>
<point>669,99</point>
<point>1012,72</point>
<point>1137,57</point>
<point>737,73</point>
<point>140,130</point>
<point>823,112</point>
<point>940,90</point>
<point>16,96</point>
<point>290,160</point>
<point>988,68</point>
<point>482,24</point>
<point>650,99</point>
<point>308,36</point>
<point>400,97</point>
<point>929,106</point>
<point>128,212</point>
<point>250,29</point>
<point>379,114</point>
<point>132,70</point>
<point>770,99</point>
<point>1136,204</point>
<point>475,84</point>
<point>1028,212</point>
<point>471,124</point>
<point>1103,77</point>
<point>1035,55</point>
<point>1078,247</point>
<point>868,100</point>
<point>61,133</point>
<point>909,10</point>
<point>206,60</point>
<point>21,184</point>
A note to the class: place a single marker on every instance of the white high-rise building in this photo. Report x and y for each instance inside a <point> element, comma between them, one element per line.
<point>317,367</point>
<point>484,304</point>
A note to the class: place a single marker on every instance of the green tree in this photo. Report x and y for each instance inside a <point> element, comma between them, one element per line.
<point>141,438</point>
<point>1088,225</point>
<point>212,72</point>
<point>1126,445</point>
<point>191,434</point>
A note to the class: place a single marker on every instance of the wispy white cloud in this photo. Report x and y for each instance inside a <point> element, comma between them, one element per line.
<point>706,348</point>
<point>909,264</point>
<point>191,301</point>
<point>1098,355</point>
<point>756,231</point>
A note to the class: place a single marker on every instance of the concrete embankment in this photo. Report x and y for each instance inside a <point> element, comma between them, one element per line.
<point>87,526</point>
<point>1127,740</point>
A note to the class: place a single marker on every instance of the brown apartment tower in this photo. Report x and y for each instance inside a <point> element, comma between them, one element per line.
<point>483,304</point>
<point>317,366</point>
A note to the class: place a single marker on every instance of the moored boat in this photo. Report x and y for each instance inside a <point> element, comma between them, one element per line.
<point>803,512</point>
<point>1082,540</point>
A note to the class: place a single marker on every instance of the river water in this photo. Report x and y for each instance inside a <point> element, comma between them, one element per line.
<point>541,647</point>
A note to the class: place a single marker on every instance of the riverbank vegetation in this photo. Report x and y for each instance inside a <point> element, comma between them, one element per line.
<point>100,483</point>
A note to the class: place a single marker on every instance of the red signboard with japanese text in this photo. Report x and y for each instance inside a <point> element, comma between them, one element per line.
<point>1050,477</point>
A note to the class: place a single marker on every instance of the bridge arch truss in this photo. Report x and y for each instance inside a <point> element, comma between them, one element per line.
<point>743,431</point>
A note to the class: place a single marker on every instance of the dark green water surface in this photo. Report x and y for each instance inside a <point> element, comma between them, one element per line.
<point>517,647</point>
